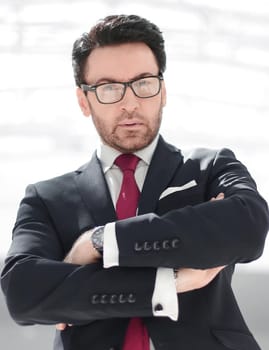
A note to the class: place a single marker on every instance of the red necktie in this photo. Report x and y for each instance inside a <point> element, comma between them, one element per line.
<point>136,337</point>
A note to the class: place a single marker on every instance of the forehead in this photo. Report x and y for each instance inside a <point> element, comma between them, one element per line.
<point>120,62</point>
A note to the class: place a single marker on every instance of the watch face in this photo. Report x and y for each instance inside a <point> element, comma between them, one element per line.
<point>98,238</point>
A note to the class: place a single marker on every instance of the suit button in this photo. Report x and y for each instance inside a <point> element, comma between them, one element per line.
<point>158,307</point>
<point>131,299</point>
<point>138,247</point>
<point>147,246</point>
<point>122,299</point>
<point>95,299</point>
<point>165,244</point>
<point>104,299</point>
<point>175,243</point>
<point>156,245</point>
<point>113,299</point>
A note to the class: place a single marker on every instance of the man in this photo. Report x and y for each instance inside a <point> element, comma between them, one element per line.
<point>136,249</point>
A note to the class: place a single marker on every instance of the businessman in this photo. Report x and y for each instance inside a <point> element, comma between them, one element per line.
<point>136,249</point>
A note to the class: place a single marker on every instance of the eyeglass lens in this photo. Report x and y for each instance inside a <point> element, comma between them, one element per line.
<point>114,92</point>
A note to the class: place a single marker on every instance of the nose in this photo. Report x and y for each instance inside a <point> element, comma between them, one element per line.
<point>129,103</point>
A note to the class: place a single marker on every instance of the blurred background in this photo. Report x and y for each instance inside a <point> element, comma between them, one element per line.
<point>218,96</point>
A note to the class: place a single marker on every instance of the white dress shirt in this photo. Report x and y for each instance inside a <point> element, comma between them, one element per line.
<point>164,289</point>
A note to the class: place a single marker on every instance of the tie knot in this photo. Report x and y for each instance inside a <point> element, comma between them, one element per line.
<point>127,161</point>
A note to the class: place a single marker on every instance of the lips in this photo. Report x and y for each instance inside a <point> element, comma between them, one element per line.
<point>130,124</point>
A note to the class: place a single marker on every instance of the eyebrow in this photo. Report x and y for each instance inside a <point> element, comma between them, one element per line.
<point>112,80</point>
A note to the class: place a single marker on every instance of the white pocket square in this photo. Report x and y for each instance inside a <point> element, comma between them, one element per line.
<point>171,190</point>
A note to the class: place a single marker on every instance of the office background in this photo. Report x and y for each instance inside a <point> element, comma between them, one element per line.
<point>218,96</point>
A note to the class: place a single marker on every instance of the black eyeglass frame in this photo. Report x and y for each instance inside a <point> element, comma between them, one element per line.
<point>93,88</point>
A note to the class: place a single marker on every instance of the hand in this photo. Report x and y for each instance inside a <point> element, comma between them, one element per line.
<point>219,197</point>
<point>62,326</point>
<point>82,251</point>
<point>191,279</point>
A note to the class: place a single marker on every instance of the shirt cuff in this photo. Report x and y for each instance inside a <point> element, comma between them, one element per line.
<point>110,248</point>
<point>164,299</point>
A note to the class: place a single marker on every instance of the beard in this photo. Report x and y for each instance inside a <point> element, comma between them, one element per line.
<point>128,140</point>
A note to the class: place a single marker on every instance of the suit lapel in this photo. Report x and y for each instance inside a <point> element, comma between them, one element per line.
<point>95,193</point>
<point>166,159</point>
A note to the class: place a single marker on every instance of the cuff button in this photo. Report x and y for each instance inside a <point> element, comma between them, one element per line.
<point>131,299</point>
<point>158,307</point>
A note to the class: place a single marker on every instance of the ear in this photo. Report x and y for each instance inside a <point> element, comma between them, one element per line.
<point>164,96</point>
<point>83,102</point>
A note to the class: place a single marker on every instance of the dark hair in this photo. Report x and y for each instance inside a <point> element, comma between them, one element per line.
<point>117,29</point>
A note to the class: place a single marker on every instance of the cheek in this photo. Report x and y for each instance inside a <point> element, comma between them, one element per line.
<point>153,111</point>
<point>103,119</point>
<point>163,101</point>
<point>163,95</point>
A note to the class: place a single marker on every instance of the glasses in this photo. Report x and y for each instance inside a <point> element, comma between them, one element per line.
<point>108,93</point>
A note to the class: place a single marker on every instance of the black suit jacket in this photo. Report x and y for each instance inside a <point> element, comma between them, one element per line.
<point>182,229</point>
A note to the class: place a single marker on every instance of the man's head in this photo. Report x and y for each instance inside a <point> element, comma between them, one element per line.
<point>117,30</point>
<point>118,68</point>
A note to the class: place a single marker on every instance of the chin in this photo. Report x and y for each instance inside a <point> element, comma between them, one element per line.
<point>133,145</point>
<point>131,141</point>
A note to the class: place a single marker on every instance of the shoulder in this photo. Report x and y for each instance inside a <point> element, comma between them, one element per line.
<point>202,155</point>
<point>207,155</point>
<point>199,153</point>
<point>207,158</point>
<point>58,184</point>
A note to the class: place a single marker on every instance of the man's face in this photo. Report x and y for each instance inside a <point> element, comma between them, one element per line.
<point>132,123</point>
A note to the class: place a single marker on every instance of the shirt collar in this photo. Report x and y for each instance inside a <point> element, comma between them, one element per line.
<point>107,154</point>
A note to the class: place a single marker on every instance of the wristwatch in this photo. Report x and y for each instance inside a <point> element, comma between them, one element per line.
<point>97,238</point>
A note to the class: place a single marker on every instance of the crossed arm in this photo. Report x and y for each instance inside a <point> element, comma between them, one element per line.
<point>186,279</point>
<point>230,231</point>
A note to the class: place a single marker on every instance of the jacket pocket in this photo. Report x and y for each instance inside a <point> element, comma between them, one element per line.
<point>236,340</point>
<point>180,199</point>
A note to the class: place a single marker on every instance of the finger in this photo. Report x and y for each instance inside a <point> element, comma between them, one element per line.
<point>220,196</point>
<point>214,272</point>
<point>220,268</point>
<point>61,326</point>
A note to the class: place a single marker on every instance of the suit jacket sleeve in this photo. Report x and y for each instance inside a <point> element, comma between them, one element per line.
<point>206,234</point>
<point>40,288</point>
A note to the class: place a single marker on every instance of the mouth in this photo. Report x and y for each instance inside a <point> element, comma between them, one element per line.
<point>130,124</point>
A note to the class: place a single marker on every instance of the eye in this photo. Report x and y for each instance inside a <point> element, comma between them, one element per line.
<point>143,82</point>
<point>109,87</point>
